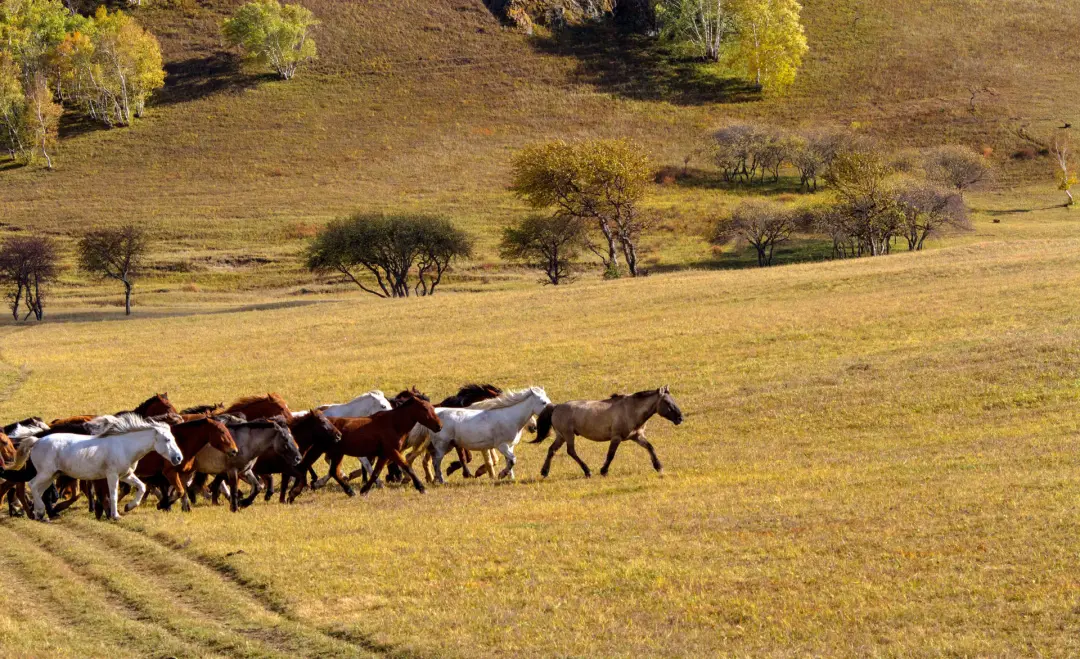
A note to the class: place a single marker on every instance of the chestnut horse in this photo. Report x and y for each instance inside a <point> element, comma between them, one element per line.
<point>380,436</point>
<point>191,437</point>
<point>155,405</point>
<point>260,407</point>
<point>314,435</point>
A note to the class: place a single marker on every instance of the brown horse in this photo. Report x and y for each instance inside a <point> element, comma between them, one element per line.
<point>261,407</point>
<point>155,405</point>
<point>614,420</point>
<point>191,437</point>
<point>7,449</point>
<point>314,435</point>
<point>380,436</point>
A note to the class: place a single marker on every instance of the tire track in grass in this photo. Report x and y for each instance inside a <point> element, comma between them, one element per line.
<point>82,603</point>
<point>215,589</point>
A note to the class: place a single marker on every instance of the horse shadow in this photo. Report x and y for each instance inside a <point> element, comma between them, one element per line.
<point>636,66</point>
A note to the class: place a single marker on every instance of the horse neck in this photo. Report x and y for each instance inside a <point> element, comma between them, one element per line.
<point>139,442</point>
<point>645,408</point>
<point>403,419</point>
<point>304,433</point>
<point>519,411</point>
<point>190,440</point>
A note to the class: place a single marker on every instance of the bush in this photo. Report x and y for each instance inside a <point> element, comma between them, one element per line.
<point>760,223</point>
<point>546,243</point>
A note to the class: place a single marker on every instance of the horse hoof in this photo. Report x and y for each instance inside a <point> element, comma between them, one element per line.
<point>129,507</point>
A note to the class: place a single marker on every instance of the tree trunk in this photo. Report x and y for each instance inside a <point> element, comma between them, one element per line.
<point>127,298</point>
<point>613,253</point>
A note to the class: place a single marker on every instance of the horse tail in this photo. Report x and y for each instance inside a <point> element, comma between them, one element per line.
<point>543,424</point>
<point>23,453</point>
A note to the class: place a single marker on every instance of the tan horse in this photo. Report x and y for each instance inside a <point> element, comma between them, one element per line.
<point>617,419</point>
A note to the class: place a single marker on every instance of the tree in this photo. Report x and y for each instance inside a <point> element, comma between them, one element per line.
<point>272,35</point>
<point>28,264</point>
<point>929,210</point>
<point>1061,148</point>
<point>957,167</point>
<point>771,42</point>
<point>115,254</point>
<point>861,181</point>
<point>760,223</point>
<point>597,181</point>
<point>387,248</point>
<point>546,243</point>
<point>110,67</point>
<point>705,25</point>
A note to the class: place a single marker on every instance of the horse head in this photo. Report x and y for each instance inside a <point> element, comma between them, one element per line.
<point>667,407</point>
<point>220,437</point>
<point>284,443</point>
<point>165,443</point>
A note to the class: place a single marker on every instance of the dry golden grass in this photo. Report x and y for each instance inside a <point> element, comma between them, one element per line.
<point>878,458</point>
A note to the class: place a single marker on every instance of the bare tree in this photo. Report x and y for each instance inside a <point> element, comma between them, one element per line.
<point>762,224</point>
<point>957,167</point>
<point>115,254</point>
<point>928,211</point>
<point>28,264</point>
<point>1061,149</point>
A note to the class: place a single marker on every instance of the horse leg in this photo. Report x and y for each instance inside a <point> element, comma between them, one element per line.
<point>335,471</point>
<point>7,488</point>
<point>24,500</point>
<point>572,452</point>
<point>508,453</point>
<point>256,487</point>
<point>379,464</point>
<point>215,487</point>
<point>71,493</point>
<point>88,489</point>
<point>436,461</point>
<point>318,483</point>
<point>489,465</point>
<point>639,439</point>
<point>268,483</point>
<point>114,486</point>
<point>397,458</point>
<point>610,455</point>
<point>140,490</point>
<point>555,446</point>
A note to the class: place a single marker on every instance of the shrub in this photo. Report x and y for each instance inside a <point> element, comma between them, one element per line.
<point>272,35</point>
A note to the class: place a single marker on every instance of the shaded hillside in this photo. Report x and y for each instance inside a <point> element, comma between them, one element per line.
<point>419,103</point>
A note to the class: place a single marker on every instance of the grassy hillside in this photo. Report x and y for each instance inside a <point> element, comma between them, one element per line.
<point>878,458</point>
<point>418,105</point>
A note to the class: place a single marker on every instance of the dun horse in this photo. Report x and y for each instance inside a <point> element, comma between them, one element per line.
<point>615,420</point>
<point>254,439</point>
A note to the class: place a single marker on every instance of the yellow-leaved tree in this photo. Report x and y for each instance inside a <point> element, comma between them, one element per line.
<point>771,42</point>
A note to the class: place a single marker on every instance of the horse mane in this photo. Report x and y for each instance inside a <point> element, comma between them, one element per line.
<point>251,400</point>
<point>110,426</point>
<point>143,406</point>
<point>482,389</point>
<point>405,395</point>
<point>230,419</point>
<point>508,399</point>
<point>203,409</point>
<point>641,394</point>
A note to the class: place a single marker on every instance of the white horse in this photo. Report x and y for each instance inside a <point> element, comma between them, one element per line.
<point>490,424</point>
<point>110,453</point>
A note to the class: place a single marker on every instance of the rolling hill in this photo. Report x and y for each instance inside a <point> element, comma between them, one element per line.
<point>418,104</point>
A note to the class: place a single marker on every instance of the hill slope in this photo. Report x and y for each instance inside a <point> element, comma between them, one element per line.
<point>419,103</point>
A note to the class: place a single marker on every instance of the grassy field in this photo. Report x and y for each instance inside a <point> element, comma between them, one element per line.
<point>878,458</point>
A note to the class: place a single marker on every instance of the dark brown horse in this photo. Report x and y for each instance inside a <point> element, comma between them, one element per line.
<point>155,405</point>
<point>380,437</point>
<point>191,437</point>
<point>314,435</point>
<point>260,407</point>
<point>212,409</point>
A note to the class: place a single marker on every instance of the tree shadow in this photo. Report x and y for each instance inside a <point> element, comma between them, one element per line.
<point>199,77</point>
<point>706,179</point>
<point>74,124</point>
<point>797,250</point>
<point>635,66</point>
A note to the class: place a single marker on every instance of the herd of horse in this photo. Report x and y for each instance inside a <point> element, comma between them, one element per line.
<point>207,450</point>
